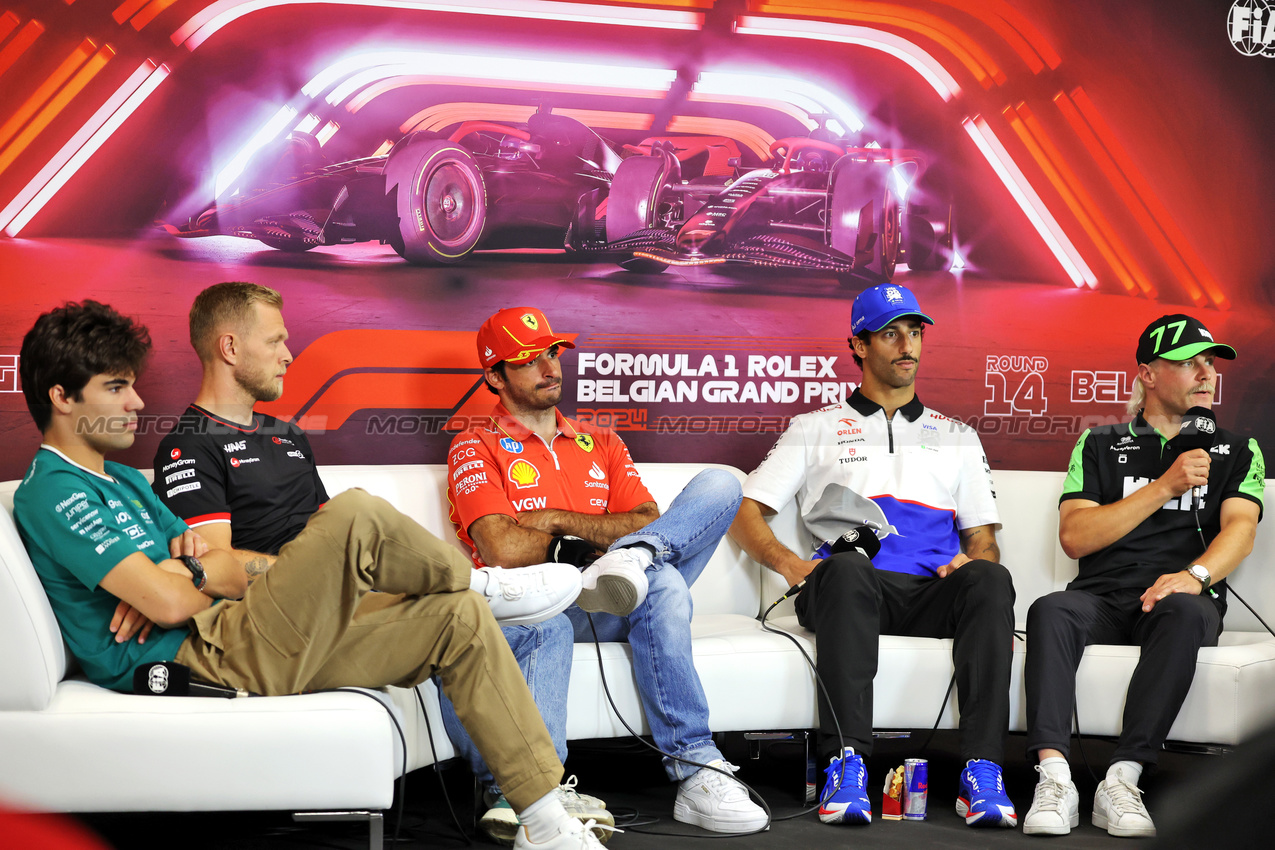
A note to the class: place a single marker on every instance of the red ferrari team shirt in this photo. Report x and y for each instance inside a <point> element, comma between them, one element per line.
<point>503,468</point>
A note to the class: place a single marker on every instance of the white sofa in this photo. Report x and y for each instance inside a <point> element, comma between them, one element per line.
<point>70,746</point>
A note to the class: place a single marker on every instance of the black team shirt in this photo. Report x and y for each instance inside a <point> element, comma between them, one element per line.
<point>1113,461</point>
<point>261,479</point>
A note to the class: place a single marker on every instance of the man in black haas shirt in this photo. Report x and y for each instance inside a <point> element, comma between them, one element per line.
<point>1157,520</point>
<point>252,486</point>
<point>248,483</point>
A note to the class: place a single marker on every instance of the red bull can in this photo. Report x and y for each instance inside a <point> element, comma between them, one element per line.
<point>916,785</point>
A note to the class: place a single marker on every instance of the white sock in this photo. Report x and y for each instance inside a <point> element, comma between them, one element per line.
<point>1057,769</point>
<point>544,818</point>
<point>1131,770</point>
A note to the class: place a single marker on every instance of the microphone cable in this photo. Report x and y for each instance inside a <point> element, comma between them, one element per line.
<point>1230,587</point>
<point>429,733</point>
<point>634,826</point>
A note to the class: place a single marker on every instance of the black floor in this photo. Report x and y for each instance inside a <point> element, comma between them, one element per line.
<point>632,782</point>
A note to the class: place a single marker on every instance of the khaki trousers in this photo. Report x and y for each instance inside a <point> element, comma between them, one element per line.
<point>312,623</point>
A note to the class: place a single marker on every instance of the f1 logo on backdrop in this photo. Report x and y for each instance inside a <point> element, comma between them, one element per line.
<point>1251,27</point>
<point>344,372</point>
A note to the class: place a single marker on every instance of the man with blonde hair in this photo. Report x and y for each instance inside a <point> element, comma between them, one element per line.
<point>1157,523</point>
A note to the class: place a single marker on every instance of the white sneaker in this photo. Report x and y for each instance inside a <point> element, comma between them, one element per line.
<point>717,802</point>
<point>572,835</point>
<point>1118,808</point>
<point>501,825</point>
<point>586,808</point>
<point>525,595</point>
<point>1055,807</point>
<point>616,582</point>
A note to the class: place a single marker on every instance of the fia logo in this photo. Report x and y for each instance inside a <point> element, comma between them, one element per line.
<point>1251,27</point>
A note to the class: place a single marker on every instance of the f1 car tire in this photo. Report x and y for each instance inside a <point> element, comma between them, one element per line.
<point>863,217</point>
<point>929,245</point>
<point>638,190</point>
<point>441,200</point>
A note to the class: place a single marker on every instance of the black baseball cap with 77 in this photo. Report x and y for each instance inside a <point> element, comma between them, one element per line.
<point>1179,337</point>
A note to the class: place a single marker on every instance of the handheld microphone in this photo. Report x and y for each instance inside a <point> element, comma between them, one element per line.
<point>1199,429</point>
<point>861,539</point>
<point>170,679</point>
<point>568,549</point>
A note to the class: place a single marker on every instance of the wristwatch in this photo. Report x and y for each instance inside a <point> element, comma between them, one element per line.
<point>1199,573</point>
<point>200,578</point>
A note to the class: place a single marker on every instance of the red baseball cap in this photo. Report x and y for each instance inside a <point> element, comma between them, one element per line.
<point>516,335</point>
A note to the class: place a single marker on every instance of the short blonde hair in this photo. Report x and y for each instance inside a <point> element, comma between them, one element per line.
<point>225,304</point>
<point>1137,397</point>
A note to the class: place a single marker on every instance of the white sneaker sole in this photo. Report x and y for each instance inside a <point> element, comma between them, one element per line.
<point>1100,821</point>
<point>1050,829</point>
<point>685,814</point>
<point>613,594</point>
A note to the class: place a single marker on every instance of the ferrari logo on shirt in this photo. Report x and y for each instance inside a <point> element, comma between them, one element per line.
<point>585,442</point>
<point>530,321</point>
<point>523,474</point>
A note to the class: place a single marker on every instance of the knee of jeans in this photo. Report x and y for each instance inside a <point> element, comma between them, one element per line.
<point>667,593</point>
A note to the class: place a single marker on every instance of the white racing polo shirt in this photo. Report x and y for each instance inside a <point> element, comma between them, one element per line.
<point>920,477</point>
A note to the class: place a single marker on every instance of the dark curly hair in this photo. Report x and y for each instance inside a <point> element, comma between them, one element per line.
<point>70,344</point>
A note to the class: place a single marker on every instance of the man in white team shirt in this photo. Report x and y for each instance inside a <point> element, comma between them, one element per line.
<point>884,460</point>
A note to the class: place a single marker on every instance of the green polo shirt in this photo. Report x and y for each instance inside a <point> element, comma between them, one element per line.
<point>77,526</point>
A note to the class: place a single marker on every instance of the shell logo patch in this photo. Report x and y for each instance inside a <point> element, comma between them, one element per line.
<point>530,321</point>
<point>585,441</point>
<point>524,474</point>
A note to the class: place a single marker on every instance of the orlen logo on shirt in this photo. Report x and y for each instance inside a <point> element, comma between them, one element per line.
<point>523,474</point>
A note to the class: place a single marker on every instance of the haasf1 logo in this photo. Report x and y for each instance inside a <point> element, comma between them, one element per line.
<point>1251,27</point>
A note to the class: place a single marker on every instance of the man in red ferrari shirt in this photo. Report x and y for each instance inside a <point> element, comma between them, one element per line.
<point>529,484</point>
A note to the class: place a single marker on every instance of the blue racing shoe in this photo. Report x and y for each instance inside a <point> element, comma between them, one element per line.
<point>982,801</point>
<point>844,799</point>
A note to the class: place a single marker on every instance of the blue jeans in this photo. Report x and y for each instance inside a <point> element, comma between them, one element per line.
<point>659,632</point>
<point>543,652</point>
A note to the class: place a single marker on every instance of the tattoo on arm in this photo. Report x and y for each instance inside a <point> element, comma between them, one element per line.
<point>255,567</point>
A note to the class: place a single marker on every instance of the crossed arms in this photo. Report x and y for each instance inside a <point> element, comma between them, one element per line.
<point>522,540</point>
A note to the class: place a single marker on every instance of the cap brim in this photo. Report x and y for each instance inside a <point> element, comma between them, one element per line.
<point>890,317</point>
<point>540,346</point>
<point>1186,352</point>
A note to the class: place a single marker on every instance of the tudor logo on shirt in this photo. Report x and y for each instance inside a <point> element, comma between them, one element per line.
<point>523,474</point>
<point>584,441</point>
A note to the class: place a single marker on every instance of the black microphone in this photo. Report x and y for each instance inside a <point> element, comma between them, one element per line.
<point>1198,431</point>
<point>170,679</point>
<point>568,549</point>
<point>861,539</point>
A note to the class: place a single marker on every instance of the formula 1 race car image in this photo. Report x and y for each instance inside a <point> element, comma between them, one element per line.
<point>818,206</point>
<point>433,199</point>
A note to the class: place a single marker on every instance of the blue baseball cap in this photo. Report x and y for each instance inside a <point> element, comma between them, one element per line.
<point>879,306</point>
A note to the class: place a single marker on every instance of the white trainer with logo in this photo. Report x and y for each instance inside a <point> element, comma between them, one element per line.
<point>1118,808</point>
<point>524,595</point>
<point>1055,807</point>
<point>717,802</point>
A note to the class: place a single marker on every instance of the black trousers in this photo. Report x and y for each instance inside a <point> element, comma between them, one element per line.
<point>849,604</point>
<point>1062,624</point>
